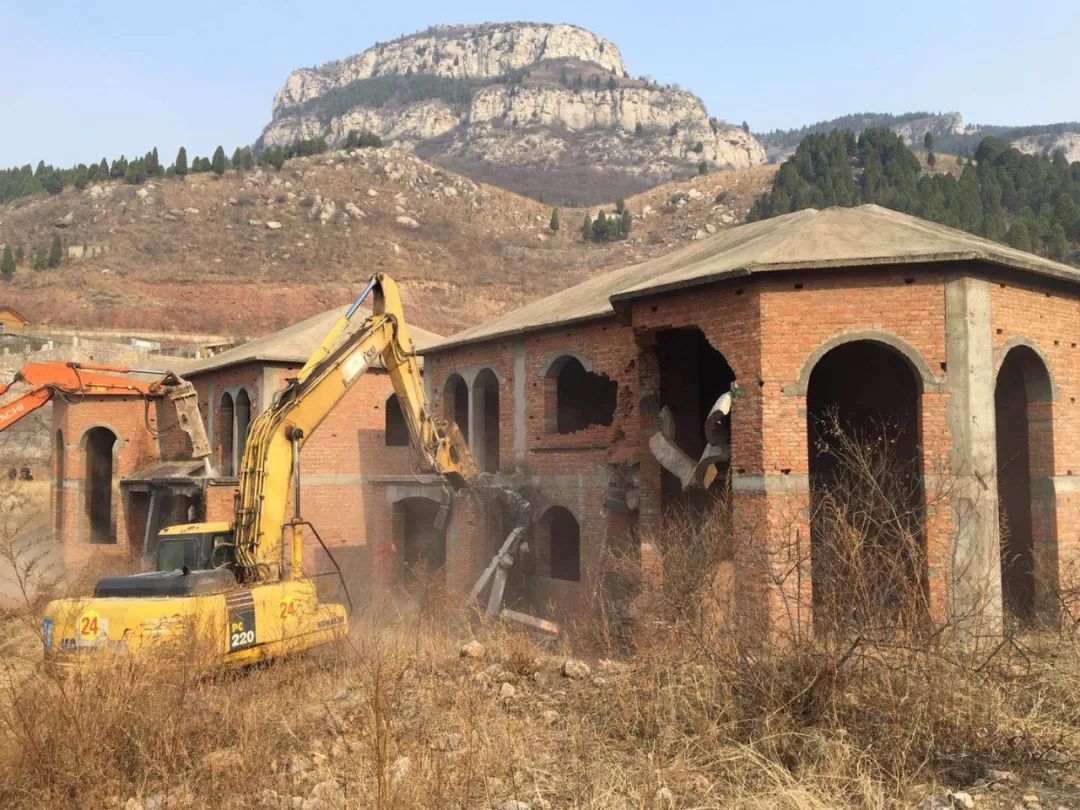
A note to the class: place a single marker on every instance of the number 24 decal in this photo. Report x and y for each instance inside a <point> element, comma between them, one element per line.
<point>288,608</point>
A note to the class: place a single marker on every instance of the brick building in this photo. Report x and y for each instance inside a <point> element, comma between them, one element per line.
<point>122,470</point>
<point>970,347</point>
<point>967,346</point>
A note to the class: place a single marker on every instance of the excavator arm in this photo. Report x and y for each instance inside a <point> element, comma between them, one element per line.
<point>271,456</point>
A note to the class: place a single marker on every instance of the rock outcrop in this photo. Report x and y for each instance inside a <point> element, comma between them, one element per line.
<point>939,126</point>
<point>1066,142</point>
<point>547,110</point>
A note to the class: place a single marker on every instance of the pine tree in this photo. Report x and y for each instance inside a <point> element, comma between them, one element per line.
<point>181,165</point>
<point>7,265</point>
<point>746,127</point>
<point>237,159</point>
<point>554,223</point>
<point>587,227</point>
<point>54,182</point>
<point>119,168</point>
<point>153,163</point>
<point>56,253</point>
<point>217,163</point>
<point>625,224</point>
<point>39,259</point>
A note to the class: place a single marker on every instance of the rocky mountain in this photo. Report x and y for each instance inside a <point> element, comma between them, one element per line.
<point>545,110</point>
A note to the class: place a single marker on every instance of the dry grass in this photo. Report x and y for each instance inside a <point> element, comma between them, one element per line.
<point>689,714</point>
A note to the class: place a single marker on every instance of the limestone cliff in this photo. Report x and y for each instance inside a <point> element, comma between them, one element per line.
<point>548,110</point>
<point>1066,142</point>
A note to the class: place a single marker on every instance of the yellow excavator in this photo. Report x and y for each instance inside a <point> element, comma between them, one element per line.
<point>237,591</point>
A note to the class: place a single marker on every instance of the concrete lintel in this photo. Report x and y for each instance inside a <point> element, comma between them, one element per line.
<point>399,492</point>
<point>771,484</point>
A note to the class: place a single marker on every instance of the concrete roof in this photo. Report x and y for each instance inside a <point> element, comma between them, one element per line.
<point>293,345</point>
<point>810,239</point>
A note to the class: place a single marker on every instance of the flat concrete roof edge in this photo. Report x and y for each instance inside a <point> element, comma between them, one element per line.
<point>515,332</point>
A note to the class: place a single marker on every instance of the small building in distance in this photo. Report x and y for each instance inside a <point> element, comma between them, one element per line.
<point>12,321</point>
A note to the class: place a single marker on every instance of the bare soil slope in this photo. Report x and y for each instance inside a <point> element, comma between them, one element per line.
<point>248,253</point>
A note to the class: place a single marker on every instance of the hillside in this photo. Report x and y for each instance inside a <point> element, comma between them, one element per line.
<point>253,251</point>
<point>546,110</point>
<point>951,135</point>
<point>1031,202</point>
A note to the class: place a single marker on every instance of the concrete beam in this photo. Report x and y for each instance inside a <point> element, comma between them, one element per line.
<point>975,576</point>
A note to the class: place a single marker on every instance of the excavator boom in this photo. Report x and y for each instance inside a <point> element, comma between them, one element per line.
<point>276,436</point>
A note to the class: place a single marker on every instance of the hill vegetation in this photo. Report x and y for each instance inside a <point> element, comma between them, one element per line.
<point>1031,202</point>
<point>790,138</point>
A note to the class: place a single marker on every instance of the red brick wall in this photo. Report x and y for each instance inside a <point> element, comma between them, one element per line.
<point>135,448</point>
<point>1046,317</point>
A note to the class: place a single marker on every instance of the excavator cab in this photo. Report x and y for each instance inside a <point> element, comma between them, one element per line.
<point>192,559</point>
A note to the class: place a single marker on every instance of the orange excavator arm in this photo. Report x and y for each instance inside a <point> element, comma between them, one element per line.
<point>69,380</point>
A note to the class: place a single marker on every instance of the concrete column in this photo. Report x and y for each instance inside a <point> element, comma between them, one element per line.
<point>975,592</point>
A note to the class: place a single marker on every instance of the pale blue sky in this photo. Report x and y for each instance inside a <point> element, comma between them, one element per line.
<point>81,80</point>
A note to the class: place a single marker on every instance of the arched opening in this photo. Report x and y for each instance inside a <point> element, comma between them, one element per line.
<point>422,542</point>
<point>395,431</point>
<point>225,416</point>
<point>575,398</point>
<point>243,422</point>
<point>863,407</point>
<point>1025,458</point>
<point>99,443</point>
<point>58,487</point>
<point>456,403</point>
<point>485,396</point>
<point>559,545</point>
<point>693,375</point>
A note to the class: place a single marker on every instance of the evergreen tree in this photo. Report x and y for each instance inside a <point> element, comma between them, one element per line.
<point>746,127</point>
<point>54,182</point>
<point>217,163</point>
<point>928,141</point>
<point>81,177</point>
<point>56,253</point>
<point>19,254</point>
<point>703,167</point>
<point>152,163</point>
<point>237,161</point>
<point>7,265</point>
<point>554,223</point>
<point>625,224</point>
<point>587,227</point>
<point>181,164</point>
<point>247,160</point>
<point>119,168</point>
<point>103,169</point>
<point>136,173</point>
<point>39,259</point>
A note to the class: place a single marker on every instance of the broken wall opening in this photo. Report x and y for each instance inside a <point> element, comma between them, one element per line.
<point>396,432</point>
<point>456,403</point>
<point>422,543</point>
<point>863,404</point>
<point>1027,513</point>
<point>99,443</point>
<point>225,416</point>
<point>693,375</point>
<point>575,398</point>
<point>485,395</point>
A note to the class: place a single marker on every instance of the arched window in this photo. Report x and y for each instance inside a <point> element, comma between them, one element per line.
<point>485,396</point>
<point>99,443</point>
<point>1025,455</point>
<point>456,403</point>
<point>575,398</point>
<point>559,541</point>
<point>867,541</point>
<point>225,417</point>
<point>243,422</point>
<point>397,432</point>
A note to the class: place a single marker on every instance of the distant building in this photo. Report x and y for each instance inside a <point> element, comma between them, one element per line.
<point>12,321</point>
